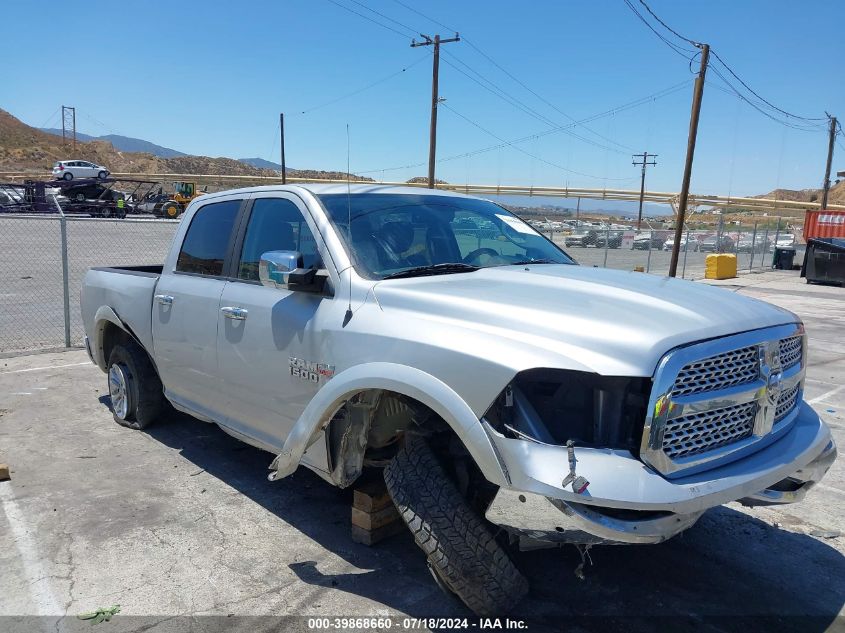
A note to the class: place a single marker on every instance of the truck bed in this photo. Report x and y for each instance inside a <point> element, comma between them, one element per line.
<point>128,291</point>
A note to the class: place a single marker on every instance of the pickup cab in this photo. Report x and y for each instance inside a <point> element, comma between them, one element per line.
<point>510,398</point>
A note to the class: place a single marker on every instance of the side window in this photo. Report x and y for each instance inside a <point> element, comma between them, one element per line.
<point>207,239</point>
<point>276,224</point>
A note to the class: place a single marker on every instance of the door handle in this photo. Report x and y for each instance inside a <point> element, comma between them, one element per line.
<point>165,300</point>
<point>238,314</point>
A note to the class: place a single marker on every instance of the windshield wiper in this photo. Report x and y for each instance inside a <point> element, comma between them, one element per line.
<point>434,269</point>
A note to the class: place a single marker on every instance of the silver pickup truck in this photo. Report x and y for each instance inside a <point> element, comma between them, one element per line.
<point>511,398</point>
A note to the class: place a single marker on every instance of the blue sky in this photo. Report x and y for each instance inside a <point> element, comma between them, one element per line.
<point>210,78</point>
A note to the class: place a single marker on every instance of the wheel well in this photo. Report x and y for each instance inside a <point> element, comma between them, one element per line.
<point>112,336</point>
<point>369,428</point>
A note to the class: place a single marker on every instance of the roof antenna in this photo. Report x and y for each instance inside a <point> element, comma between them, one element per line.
<point>348,316</point>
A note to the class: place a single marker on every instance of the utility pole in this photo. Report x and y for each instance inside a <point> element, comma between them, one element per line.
<point>282,132</point>
<point>826,185</point>
<point>645,162</point>
<point>435,99</point>
<point>698,93</point>
<point>68,125</point>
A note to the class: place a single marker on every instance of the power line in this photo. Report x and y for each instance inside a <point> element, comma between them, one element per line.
<point>678,49</point>
<point>366,17</point>
<point>50,118</point>
<point>669,28</point>
<point>734,92</point>
<point>757,106</point>
<point>769,103</point>
<point>423,15</point>
<point>627,106</point>
<point>386,17</point>
<point>527,153</point>
<point>364,88</point>
<point>610,112</point>
<point>538,96</point>
<point>496,90</point>
<point>515,102</point>
<point>511,76</point>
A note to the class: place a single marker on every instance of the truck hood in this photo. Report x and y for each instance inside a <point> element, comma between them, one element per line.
<point>593,319</point>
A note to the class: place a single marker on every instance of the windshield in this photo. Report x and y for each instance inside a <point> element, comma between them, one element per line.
<point>396,232</point>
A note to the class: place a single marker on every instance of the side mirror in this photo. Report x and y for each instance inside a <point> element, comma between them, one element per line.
<point>284,268</point>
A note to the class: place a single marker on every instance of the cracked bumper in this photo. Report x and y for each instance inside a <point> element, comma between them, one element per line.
<point>628,502</point>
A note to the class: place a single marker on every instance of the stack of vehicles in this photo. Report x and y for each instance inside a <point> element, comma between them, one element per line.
<point>97,197</point>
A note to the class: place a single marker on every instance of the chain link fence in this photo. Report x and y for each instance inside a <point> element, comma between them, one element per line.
<point>651,250</point>
<point>43,259</point>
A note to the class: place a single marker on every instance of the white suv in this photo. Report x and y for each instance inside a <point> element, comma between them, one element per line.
<point>70,169</point>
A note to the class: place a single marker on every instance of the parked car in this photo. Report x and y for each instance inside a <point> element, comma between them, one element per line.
<point>581,237</point>
<point>714,244</point>
<point>644,241</point>
<point>70,169</point>
<point>92,191</point>
<point>687,243</point>
<point>613,239</point>
<point>785,241</point>
<point>499,389</point>
<point>758,245</point>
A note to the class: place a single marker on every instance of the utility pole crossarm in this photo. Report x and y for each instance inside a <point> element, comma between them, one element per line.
<point>435,99</point>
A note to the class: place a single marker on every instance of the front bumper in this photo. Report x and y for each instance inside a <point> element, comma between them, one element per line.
<point>628,502</point>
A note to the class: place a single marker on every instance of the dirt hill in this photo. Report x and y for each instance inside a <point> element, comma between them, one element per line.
<point>24,148</point>
<point>836,195</point>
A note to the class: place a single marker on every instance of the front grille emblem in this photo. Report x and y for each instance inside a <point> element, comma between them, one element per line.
<point>771,371</point>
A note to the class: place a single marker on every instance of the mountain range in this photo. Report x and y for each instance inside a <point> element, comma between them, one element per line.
<point>130,144</point>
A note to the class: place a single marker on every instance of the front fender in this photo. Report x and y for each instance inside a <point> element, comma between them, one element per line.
<point>408,381</point>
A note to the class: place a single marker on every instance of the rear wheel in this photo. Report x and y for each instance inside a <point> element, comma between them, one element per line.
<point>462,553</point>
<point>134,387</point>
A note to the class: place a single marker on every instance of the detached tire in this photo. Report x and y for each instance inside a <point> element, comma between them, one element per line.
<point>134,387</point>
<point>460,550</point>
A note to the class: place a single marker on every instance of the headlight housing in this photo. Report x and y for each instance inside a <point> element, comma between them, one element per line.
<point>553,406</point>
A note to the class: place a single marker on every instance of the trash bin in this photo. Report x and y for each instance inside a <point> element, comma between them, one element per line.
<point>824,262</point>
<point>783,258</point>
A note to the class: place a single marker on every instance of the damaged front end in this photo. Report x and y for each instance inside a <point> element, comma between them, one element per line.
<point>571,445</point>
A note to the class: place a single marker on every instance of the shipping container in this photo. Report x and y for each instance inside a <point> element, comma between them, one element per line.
<point>824,223</point>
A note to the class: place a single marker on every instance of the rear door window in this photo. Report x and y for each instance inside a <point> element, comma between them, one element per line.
<point>207,240</point>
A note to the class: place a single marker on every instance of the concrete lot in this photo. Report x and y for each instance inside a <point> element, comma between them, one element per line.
<point>180,520</point>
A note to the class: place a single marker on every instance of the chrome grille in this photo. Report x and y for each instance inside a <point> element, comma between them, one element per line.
<point>786,402</point>
<point>711,401</point>
<point>702,432</point>
<point>729,369</point>
<point>790,350</point>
